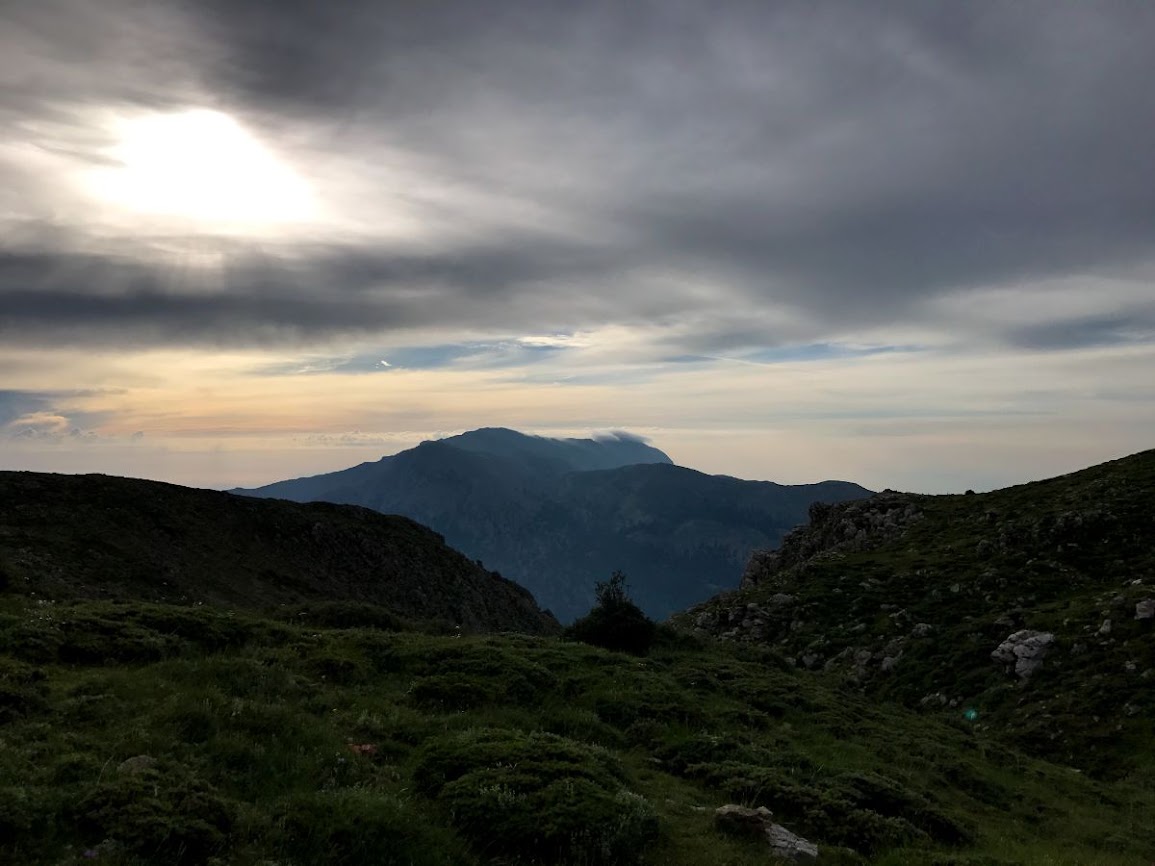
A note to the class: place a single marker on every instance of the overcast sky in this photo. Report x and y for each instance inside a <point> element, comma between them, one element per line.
<point>907,244</point>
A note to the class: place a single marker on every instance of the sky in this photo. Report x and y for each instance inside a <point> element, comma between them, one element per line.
<point>902,243</point>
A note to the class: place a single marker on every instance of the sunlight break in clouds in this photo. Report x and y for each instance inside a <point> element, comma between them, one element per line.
<point>201,165</point>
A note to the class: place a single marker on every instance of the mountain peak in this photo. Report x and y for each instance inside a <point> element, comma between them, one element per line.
<point>608,451</point>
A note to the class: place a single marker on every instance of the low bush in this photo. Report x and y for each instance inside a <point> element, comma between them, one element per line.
<point>355,827</point>
<point>22,690</point>
<point>344,615</point>
<point>538,797</point>
<point>615,622</point>
<point>163,813</point>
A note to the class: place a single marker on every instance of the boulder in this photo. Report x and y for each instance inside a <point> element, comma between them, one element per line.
<point>1025,649</point>
<point>136,764</point>
<point>742,821</point>
<point>782,844</point>
<point>786,846</point>
<point>1145,609</point>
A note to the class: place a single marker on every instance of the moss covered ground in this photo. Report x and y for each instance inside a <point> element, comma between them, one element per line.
<point>149,733</point>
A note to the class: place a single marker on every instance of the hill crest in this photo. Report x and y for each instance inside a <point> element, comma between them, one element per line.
<point>99,536</point>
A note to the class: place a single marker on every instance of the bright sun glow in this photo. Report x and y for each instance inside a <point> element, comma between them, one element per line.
<point>201,165</point>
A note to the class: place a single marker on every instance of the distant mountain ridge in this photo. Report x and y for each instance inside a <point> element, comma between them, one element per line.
<point>96,536</point>
<point>556,515</point>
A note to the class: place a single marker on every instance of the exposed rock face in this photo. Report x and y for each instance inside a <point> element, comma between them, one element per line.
<point>1024,649</point>
<point>846,526</point>
<point>783,844</point>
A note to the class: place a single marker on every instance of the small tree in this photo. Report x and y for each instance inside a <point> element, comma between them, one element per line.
<point>615,622</point>
<point>612,592</point>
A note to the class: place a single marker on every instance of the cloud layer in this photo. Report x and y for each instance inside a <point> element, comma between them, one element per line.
<point>647,190</point>
<point>564,165</point>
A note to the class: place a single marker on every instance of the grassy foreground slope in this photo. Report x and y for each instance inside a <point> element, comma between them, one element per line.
<point>906,597</point>
<point>148,733</point>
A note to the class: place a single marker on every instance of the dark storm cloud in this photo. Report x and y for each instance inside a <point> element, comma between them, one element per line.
<point>1138,326</point>
<point>841,161</point>
<point>263,299</point>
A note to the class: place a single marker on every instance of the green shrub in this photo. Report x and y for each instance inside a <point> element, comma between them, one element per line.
<point>568,820</point>
<point>475,674</point>
<point>539,797</point>
<point>582,725</point>
<point>24,813</point>
<point>339,666</point>
<point>819,808</point>
<point>192,718</point>
<point>163,813</point>
<point>344,615</point>
<point>22,690</point>
<point>451,692</point>
<point>615,622</point>
<point>355,827</point>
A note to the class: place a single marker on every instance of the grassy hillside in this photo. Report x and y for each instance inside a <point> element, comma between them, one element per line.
<point>906,597</point>
<point>95,536</point>
<point>150,733</point>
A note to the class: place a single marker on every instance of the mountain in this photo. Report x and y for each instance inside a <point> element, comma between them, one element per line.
<point>556,515</point>
<point>95,536</point>
<point>1031,608</point>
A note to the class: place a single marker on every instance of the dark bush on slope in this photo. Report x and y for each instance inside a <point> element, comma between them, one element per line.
<point>615,622</point>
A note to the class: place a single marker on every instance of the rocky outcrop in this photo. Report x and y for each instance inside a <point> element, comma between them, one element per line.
<point>1024,649</point>
<point>782,844</point>
<point>838,528</point>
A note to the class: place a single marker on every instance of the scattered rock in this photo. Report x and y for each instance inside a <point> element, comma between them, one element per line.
<point>1105,628</point>
<point>1025,649</point>
<point>1145,609</point>
<point>921,629</point>
<point>136,764</point>
<point>741,820</point>
<point>783,844</point>
<point>787,846</point>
